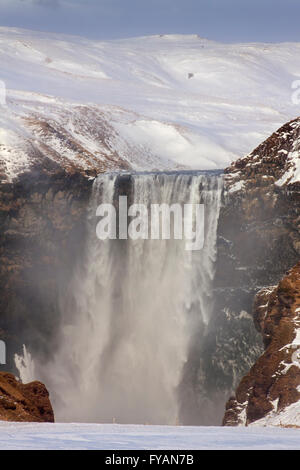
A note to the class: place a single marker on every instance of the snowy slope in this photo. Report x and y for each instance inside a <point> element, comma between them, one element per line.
<point>188,101</point>
<point>289,417</point>
<point>120,437</point>
<point>84,137</point>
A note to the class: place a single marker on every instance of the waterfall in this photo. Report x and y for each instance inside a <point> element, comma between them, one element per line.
<point>131,309</point>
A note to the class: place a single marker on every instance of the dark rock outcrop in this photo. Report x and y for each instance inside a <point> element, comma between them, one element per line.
<point>20,402</point>
<point>273,383</point>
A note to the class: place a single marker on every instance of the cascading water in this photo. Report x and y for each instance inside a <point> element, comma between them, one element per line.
<point>131,310</point>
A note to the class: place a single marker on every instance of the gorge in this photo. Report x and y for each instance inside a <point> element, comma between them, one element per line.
<point>133,309</point>
<point>198,339</point>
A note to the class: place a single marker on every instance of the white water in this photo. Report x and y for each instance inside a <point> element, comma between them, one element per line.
<point>130,312</point>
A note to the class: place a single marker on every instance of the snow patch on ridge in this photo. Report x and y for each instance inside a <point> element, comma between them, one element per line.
<point>289,417</point>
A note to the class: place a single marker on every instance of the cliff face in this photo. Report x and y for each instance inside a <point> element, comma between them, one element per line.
<point>42,217</point>
<point>260,222</point>
<point>273,383</point>
<point>20,402</point>
<point>258,241</point>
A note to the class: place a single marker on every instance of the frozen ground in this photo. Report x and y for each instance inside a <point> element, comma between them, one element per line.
<point>118,437</point>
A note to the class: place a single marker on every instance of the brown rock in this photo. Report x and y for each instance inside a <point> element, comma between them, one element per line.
<point>19,402</point>
<point>273,382</point>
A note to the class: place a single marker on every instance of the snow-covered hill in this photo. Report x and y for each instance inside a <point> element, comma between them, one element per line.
<point>82,137</point>
<point>150,102</point>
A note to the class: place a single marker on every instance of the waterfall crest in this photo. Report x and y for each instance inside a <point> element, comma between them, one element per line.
<point>131,310</point>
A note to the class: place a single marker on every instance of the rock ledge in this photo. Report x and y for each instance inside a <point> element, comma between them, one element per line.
<point>27,403</point>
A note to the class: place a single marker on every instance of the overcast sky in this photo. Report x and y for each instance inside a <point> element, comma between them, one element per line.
<point>223,20</point>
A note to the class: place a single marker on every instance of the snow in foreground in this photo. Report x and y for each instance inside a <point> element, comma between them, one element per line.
<point>118,437</point>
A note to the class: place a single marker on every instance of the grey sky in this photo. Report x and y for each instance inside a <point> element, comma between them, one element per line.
<point>223,20</point>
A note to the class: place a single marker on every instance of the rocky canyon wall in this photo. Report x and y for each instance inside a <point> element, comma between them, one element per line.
<point>42,217</point>
<point>273,384</point>
<point>258,241</point>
